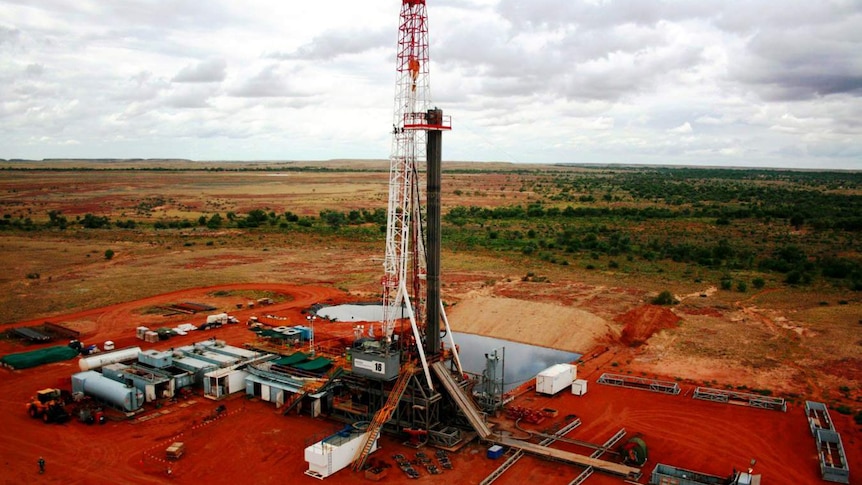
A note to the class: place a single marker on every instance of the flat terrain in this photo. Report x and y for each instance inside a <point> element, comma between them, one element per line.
<point>795,342</point>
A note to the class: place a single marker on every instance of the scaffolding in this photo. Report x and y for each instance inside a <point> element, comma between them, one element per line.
<point>818,417</point>
<point>654,385</point>
<point>833,460</point>
<point>830,449</point>
<point>753,400</point>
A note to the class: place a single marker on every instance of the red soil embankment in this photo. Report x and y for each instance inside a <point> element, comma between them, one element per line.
<point>639,324</point>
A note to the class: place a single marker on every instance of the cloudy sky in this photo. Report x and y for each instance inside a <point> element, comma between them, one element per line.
<point>731,82</point>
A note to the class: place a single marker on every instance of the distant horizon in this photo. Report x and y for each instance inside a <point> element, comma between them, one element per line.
<point>385,160</point>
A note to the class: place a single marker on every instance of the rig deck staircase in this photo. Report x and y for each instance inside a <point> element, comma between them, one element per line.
<point>311,388</point>
<point>462,400</point>
<point>383,414</point>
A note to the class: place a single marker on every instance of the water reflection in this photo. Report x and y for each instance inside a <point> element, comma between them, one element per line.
<point>523,361</point>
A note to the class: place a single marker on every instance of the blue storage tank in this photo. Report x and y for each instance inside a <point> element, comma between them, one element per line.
<point>304,332</point>
<point>495,452</point>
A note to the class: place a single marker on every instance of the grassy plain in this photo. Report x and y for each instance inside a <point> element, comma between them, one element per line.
<point>611,258</point>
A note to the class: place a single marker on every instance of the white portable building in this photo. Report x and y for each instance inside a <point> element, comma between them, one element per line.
<point>555,378</point>
<point>579,387</point>
<point>334,452</point>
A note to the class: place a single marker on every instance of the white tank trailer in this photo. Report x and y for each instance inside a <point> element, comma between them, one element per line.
<point>218,318</point>
<point>94,362</point>
<point>110,392</point>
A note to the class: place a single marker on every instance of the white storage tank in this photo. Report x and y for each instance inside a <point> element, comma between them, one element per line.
<point>97,361</point>
<point>555,378</point>
<point>579,387</point>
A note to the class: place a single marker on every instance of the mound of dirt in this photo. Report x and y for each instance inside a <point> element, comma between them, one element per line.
<point>544,324</point>
<point>639,324</point>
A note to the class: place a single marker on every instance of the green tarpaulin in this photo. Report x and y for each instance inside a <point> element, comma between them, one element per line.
<point>24,360</point>
<point>316,364</point>
<point>291,359</point>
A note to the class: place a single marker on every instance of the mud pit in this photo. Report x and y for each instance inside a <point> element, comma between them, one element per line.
<point>254,443</point>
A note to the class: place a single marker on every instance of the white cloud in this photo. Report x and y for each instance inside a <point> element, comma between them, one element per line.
<point>773,83</point>
<point>681,129</point>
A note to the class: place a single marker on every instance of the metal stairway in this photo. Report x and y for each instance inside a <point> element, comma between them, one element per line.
<point>464,402</point>
<point>383,414</point>
<point>311,388</point>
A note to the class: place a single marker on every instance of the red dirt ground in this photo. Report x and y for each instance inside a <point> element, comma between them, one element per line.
<point>254,443</point>
<point>642,322</point>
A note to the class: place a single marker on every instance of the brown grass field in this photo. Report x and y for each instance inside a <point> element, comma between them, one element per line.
<point>797,343</point>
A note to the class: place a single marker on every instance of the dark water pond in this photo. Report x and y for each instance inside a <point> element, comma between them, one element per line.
<point>522,362</point>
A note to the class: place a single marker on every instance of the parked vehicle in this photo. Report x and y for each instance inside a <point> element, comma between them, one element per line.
<point>49,405</point>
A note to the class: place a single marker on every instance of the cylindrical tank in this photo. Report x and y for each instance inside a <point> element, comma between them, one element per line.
<point>111,392</point>
<point>97,361</point>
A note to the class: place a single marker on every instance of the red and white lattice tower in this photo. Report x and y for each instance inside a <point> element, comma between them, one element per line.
<point>404,262</point>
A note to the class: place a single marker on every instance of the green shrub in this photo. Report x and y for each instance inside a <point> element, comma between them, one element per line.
<point>844,409</point>
<point>664,298</point>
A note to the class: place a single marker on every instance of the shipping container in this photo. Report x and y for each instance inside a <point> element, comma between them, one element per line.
<point>555,378</point>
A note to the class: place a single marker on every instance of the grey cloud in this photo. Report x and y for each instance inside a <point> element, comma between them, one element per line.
<point>745,16</point>
<point>595,15</point>
<point>34,70</point>
<point>621,75</point>
<point>142,86</point>
<point>171,14</point>
<point>188,98</point>
<point>9,35</point>
<point>802,63</point>
<point>208,71</point>
<point>270,82</point>
<point>835,149</point>
<point>578,64</point>
<point>337,43</point>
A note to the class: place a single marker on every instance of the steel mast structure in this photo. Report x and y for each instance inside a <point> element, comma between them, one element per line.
<point>405,262</point>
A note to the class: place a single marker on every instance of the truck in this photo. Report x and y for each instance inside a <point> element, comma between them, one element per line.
<point>214,321</point>
<point>49,405</point>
